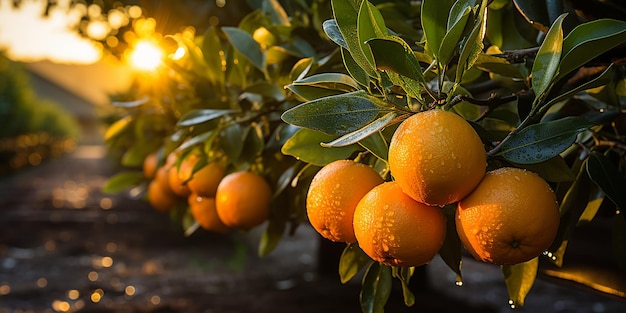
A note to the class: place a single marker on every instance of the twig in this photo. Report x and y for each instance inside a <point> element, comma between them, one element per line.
<point>611,144</point>
<point>519,56</point>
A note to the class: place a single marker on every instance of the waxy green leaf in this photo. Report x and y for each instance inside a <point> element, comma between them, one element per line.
<point>589,40</point>
<point>546,62</point>
<point>305,145</point>
<point>336,115</point>
<point>196,117</point>
<point>363,132</point>
<point>376,288</point>
<point>540,142</point>
<point>247,46</point>
<point>607,176</point>
<point>519,279</point>
<point>351,262</point>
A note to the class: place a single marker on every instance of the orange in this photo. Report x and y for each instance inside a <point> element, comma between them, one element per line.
<point>178,176</point>
<point>160,196</point>
<point>204,182</point>
<point>204,212</point>
<point>243,200</point>
<point>436,157</point>
<point>150,165</point>
<point>511,217</point>
<point>396,230</point>
<point>333,195</point>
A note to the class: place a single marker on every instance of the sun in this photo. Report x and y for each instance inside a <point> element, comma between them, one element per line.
<point>146,56</point>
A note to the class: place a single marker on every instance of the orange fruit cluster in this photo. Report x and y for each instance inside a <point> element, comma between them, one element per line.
<point>216,201</point>
<point>436,158</point>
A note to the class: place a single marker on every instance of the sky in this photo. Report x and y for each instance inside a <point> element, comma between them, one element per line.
<point>25,35</point>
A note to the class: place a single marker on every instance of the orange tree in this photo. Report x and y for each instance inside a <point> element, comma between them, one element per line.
<point>542,89</point>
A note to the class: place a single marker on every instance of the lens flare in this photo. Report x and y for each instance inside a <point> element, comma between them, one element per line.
<point>146,56</point>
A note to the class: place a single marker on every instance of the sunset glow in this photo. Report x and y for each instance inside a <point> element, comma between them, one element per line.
<point>146,56</point>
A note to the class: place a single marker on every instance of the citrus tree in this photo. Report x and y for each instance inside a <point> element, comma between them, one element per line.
<point>491,126</point>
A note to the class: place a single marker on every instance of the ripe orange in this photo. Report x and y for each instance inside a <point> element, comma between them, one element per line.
<point>178,176</point>
<point>436,157</point>
<point>204,182</point>
<point>150,165</point>
<point>204,212</point>
<point>160,196</point>
<point>511,217</point>
<point>243,200</point>
<point>333,195</point>
<point>396,230</point>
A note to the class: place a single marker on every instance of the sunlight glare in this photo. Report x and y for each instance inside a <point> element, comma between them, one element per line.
<point>146,56</point>
<point>27,36</point>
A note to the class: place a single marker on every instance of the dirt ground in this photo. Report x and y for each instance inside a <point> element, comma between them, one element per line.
<point>66,247</point>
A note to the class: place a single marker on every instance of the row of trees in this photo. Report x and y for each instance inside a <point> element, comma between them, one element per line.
<point>293,88</point>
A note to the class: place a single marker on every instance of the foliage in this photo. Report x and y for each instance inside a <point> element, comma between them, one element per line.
<point>540,89</point>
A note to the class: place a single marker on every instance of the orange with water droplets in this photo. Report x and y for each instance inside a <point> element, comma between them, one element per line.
<point>436,157</point>
<point>394,229</point>
<point>334,194</point>
<point>511,217</point>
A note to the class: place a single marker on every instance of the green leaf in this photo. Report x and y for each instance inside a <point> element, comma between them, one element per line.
<point>202,138</point>
<point>598,81</point>
<point>519,279</point>
<point>607,176</point>
<point>310,93</point>
<point>122,181</point>
<point>332,31</point>
<point>473,44</point>
<point>404,274</point>
<point>434,20</point>
<point>377,145</point>
<point>553,170</point>
<point>541,142</point>
<point>196,117</point>
<point>353,68</point>
<point>276,12</point>
<point>376,288</point>
<point>253,144</point>
<point>231,141</point>
<point>589,40</point>
<point>497,65</point>
<point>346,17</point>
<point>456,27</point>
<point>118,127</point>
<point>246,45</point>
<point>351,262</point>
<point>213,56</point>
<point>592,208</point>
<point>452,250</point>
<point>305,145</point>
<point>370,24</point>
<point>362,133</point>
<point>333,81</point>
<point>535,12</point>
<point>271,236</point>
<point>572,207</point>
<point>335,115</point>
<point>546,62</point>
<point>394,54</point>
